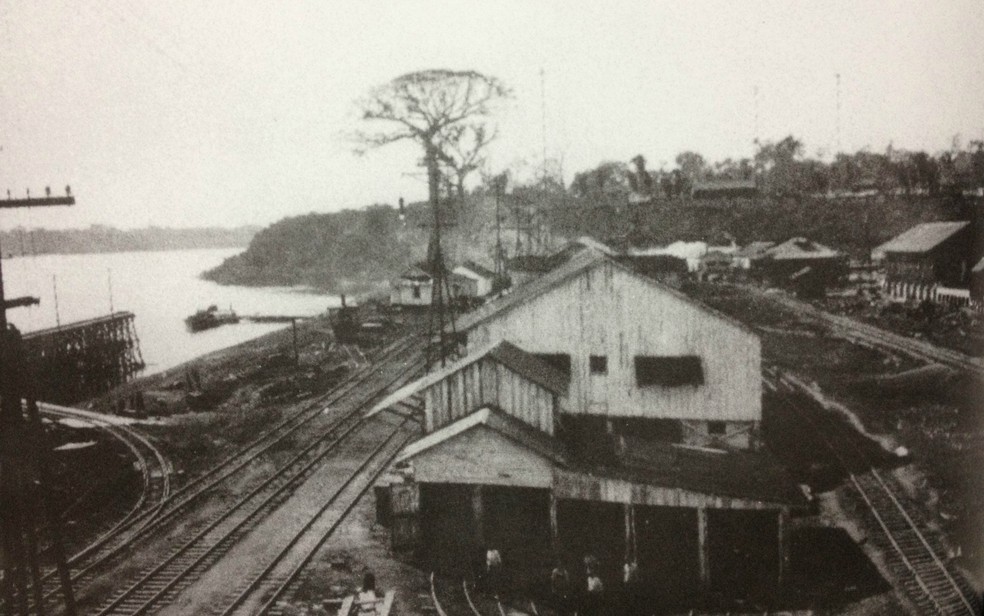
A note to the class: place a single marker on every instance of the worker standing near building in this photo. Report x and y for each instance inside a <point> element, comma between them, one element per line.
<point>560,589</point>
<point>367,599</point>
<point>493,571</point>
<point>632,604</point>
<point>594,597</point>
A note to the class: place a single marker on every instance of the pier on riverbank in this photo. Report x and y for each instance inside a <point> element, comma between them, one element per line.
<point>80,360</point>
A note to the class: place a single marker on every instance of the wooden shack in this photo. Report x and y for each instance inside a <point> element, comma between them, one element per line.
<point>483,279</point>
<point>926,256</point>
<point>412,288</point>
<point>783,264</point>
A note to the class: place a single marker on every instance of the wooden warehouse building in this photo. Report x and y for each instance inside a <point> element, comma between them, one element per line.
<point>598,411</point>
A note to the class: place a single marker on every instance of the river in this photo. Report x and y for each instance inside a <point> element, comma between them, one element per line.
<point>161,288</point>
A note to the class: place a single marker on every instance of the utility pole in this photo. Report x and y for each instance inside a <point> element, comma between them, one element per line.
<point>499,265</point>
<point>25,479</point>
<point>441,316</point>
<point>838,128</point>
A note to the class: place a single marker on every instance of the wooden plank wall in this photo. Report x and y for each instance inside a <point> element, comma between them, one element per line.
<point>578,486</point>
<point>609,311</point>
<point>481,456</point>
<point>483,383</point>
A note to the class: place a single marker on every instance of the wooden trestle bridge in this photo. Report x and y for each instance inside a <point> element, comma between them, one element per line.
<point>80,360</point>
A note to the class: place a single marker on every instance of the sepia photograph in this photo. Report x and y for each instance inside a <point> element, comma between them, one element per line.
<point>460,308</point>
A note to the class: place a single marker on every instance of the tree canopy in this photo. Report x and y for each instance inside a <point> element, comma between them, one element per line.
<point>446,112</point>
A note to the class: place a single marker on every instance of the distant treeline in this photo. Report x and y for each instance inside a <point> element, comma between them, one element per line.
<point>783,169</point>
<point>97,238</point>
<point>851,203</point>
<point>359,250</point>
<point>852,225</point>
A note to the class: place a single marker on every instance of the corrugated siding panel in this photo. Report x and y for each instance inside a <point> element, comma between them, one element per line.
<point>482,456</point>
<point>488,382</point>
<point>576,486</point>
<point>607,311</point>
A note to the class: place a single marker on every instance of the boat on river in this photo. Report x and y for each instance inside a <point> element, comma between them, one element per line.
<point>210,317</point>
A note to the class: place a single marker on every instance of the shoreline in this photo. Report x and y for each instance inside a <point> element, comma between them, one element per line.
<point>225,355</point>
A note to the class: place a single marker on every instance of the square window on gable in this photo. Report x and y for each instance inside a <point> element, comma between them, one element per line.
<point>598,364</point>
<point>676,371</point>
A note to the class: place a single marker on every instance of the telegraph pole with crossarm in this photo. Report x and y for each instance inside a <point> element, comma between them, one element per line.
<point>25,479</point>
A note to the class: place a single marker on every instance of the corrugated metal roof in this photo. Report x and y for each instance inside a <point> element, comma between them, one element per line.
<point>495,419</point>
<point>509,355</point>
<point>746,475</point>
<point>800,248</point>
<point>725,184</point>
<point>525,292</point>
<point>482,271</point>
<point>578,263</point>
<point>754,249</point>
<point>415,272</point>
<point>530,367</point>
<point>741,474</point>
<point>921,238</point>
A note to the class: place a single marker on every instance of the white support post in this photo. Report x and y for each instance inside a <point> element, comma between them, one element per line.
<point>703,554</point>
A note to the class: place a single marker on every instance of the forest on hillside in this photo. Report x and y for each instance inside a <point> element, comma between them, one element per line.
<point>852,202</point>
<point>340,251</point>
<point>359,250</point>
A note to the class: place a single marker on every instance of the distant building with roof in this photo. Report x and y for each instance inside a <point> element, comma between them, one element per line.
<point>977,284</point>
<point>483,278</point>
<point>929,252</point>
<point>724,189</point>
<point>524,268</point>
<point>929,255</point>
<point>412,288</point>
<point>749,253</point>
<point>800,263</point>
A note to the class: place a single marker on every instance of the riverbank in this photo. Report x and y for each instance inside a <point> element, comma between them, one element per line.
<point>203,409</point>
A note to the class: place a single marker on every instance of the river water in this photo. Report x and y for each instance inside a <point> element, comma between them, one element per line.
<point>161,288</point>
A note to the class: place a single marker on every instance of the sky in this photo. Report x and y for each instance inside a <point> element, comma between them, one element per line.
<point>221,113</point>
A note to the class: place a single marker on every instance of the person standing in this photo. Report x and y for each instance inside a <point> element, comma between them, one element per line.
<point>594,597</point>
<point>630,588</point>
<point>560,589</point>
<point>368,601</point>
<point>493,571</point>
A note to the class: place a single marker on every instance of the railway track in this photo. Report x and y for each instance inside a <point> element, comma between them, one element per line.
<point>438,607</point>
<point>188,560</point>
<point>915,555</point>
<point>155,470</point>
<point>282,574</point>
<point>146,522</point>
<point>856,331</point>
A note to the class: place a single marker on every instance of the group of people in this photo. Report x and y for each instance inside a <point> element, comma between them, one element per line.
<point>589,598</point>
<point>584,595</point>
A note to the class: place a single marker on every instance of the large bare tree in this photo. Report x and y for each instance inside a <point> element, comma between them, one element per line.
<point>446,112</point>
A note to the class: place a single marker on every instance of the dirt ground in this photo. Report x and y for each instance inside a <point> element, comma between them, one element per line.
<point>960,329</point>
<point>936,423</point>
<point>94,485</point>
<point>933,411</point>
<point>218,402</point>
